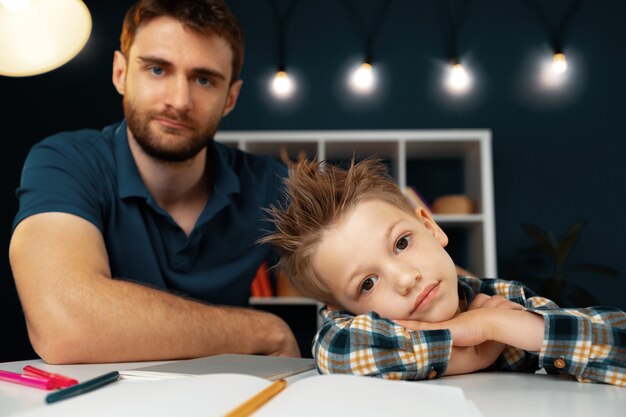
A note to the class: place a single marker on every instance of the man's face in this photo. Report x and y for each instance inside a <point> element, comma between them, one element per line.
<point>176,87</point>
<point>377,257</point>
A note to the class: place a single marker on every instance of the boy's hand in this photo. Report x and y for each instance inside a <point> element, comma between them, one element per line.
<point>468,329</point>
<point>521,329</point>
<point>493,301</point>
<point>468,359</point>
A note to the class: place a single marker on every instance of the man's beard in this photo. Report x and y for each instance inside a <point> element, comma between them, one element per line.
<point>152,142</point>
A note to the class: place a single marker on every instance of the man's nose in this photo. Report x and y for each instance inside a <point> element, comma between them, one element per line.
<point>179,94</point>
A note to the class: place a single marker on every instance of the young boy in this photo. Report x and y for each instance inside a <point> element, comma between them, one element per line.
<point>395,306</point>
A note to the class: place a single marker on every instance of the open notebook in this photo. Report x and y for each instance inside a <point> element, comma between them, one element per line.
<point>268,367</point>
<point>215,395</point>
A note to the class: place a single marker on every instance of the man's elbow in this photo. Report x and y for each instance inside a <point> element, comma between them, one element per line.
<point>58,345</point>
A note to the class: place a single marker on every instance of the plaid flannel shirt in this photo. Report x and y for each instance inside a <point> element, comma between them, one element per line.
<point>589,343</point>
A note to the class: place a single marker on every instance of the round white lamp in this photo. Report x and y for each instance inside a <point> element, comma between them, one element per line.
<point>37,36</point>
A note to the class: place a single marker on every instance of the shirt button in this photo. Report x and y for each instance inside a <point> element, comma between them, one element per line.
<point>432,374</point>
<point>560,363</point>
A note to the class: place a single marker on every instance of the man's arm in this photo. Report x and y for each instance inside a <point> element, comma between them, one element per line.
<point>75,312</point>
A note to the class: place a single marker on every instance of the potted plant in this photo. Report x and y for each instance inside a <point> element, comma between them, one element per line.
<point>549,266</point>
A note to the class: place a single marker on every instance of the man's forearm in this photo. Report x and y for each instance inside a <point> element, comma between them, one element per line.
<point>76,312</point>
<point>117,321</point>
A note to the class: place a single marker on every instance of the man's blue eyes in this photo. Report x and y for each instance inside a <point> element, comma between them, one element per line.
<point>160,71</point>
<point>203,81</point>
<point>157,71</point>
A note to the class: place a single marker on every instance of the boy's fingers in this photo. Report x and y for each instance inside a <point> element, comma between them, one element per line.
<point>417,325</point>
<point>495,301</point>
<point>478,301</point>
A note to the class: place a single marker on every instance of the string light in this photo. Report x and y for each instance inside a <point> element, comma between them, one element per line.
<point>458,80</point>
<point>363,79</point>
<point>554,73</point>
<point>559,63</point>
<point>282,86</point>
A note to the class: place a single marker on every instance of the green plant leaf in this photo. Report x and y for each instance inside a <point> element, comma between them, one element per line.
<point>541,238</point>
<point>566,244</point>
<point>596,269</point>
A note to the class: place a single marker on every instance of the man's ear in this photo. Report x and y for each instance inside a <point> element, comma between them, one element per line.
<point>231,99</point>
<point>429,223</point>
<point>119,72</point>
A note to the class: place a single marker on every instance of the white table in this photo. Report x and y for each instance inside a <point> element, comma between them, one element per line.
<point>495,394</point>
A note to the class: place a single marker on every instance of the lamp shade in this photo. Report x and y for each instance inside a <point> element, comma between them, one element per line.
<point>37,36</point>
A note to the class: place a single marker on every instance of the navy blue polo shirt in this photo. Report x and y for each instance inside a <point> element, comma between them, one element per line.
<point>92,174</point>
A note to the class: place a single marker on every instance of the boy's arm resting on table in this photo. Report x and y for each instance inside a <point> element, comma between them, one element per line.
<point>588,343</point>
<point>370,345</point>
<point>76,313</point>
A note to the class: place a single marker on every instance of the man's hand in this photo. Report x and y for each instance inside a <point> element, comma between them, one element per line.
<point>280,340</point>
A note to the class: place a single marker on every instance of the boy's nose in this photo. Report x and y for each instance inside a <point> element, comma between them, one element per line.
<point>405,279</point>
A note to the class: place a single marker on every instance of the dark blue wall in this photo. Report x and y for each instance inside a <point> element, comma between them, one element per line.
<point>557,158</point>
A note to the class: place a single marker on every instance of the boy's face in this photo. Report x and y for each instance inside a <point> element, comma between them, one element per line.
<point>380,258</point>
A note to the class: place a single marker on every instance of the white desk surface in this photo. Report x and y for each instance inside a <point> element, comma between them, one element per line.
<point>494,394</point>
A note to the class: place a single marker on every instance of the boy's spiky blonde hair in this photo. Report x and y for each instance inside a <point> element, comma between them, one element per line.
<point>317,195</point>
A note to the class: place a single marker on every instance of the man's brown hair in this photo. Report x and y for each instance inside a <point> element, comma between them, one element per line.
<point>208,17</point>
<point>317,194</point>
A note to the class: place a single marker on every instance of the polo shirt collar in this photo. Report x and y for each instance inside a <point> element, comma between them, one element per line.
<point>226,180</point>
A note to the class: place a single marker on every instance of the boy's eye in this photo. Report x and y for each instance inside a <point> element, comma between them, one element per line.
<point>402,243</point>
<point>367,284</point>
<point>158,71</point>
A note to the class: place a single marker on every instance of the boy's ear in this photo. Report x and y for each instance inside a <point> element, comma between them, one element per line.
<point>119,72</point>
<point>429,223</point>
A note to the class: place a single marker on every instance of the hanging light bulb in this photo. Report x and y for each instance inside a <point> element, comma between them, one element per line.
<point>363,79</point>
<point>282,85</point>
<point>458,80</point>
<point>559,63</point>
<point>39,36</point>
<point>554,72</point>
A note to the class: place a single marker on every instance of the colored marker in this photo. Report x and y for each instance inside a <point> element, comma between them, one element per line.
<point>83,387</point>
<point>60,381</point>
<point>30,381</point>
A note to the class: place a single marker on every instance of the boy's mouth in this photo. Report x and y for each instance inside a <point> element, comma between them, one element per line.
<point>425,297</point>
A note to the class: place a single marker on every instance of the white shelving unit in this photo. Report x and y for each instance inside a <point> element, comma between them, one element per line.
<point>397,147</point>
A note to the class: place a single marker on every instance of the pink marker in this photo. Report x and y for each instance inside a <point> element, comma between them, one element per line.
<point>60,381</point>
<point>27,380</point>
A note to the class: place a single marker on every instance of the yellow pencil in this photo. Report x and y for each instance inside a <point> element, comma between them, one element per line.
<point>253,404</point>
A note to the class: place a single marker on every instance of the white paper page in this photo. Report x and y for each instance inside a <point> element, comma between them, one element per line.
<point>205,395</point>
<point>347,395</point>
<point>216,394</point>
